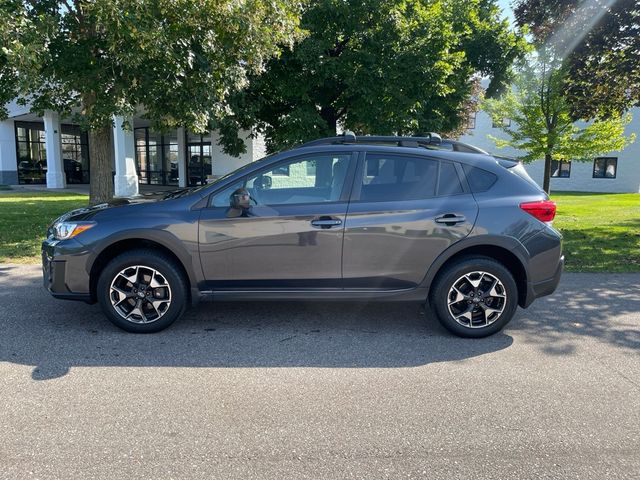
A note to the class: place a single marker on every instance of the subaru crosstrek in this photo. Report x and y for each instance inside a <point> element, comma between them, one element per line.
<point>346,218</point>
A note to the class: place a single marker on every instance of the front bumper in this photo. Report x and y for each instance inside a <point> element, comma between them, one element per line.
<point>64,272</point>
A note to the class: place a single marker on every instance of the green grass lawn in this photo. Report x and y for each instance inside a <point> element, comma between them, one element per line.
<point>24,218</point>
<point>601,231</point>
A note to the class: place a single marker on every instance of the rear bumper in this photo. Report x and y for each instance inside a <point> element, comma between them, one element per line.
<point>545,287</point>
<point>63,270</point>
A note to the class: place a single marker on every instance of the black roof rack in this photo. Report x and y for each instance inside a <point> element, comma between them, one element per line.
<point>431,140</point>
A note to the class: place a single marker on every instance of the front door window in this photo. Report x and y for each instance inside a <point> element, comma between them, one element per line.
<point>288,234</point>
<point>314,179</point>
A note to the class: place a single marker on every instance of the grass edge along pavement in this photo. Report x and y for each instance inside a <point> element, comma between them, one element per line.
<point>601,231</point>
<point>24,217</point>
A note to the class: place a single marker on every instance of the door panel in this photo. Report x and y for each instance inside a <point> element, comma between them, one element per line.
<point>395,227</point>
<point>392,245</point>
<point>275,247</point>
<point>291,236</point>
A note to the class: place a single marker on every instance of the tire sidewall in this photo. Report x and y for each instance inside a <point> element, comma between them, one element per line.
<point>445,281</point>
<point>158,262</point>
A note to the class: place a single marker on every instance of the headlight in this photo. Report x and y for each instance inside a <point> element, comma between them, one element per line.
<point>67,230</point>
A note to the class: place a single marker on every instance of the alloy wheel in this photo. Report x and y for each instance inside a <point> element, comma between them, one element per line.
<point>140,294</point>
<point>476,299</point>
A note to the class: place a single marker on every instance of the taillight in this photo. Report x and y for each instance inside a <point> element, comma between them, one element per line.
<point>543,210</point>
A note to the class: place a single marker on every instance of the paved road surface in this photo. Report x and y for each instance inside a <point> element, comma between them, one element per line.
<point>321,390</point>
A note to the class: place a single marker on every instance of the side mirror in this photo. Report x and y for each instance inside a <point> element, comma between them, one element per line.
<point>240,199</point>
<point>263,182</point>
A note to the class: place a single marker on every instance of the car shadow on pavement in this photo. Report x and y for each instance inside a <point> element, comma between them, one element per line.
<point>602,307</point>
<point>53,335</point>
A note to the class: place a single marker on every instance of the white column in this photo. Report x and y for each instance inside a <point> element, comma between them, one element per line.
<point>182,158</point>
<point>8,157</point>
<point>126,179</point>
<point>53,147</point>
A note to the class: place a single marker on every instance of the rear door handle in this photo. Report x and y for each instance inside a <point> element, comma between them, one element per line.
<point>450,219</point>
<point>326,222</point>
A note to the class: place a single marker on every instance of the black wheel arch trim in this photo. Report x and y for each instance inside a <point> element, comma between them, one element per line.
<point>507,243</point>
<point>161,237</point>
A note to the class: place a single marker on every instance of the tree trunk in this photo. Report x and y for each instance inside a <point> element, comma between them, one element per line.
<point>101,176</point>
<point>546,185</point>
<point>328,114</point>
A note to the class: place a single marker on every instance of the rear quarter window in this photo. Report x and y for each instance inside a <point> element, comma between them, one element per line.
<point>479,180</point>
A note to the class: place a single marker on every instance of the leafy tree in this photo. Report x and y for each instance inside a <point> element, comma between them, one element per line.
<point>175,61</point>
<point>542,125</point>
<point>599,43</point>
<point>381,66</point>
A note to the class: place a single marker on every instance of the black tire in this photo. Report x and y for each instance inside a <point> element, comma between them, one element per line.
<point>160,307</point>
<point>488,305</point>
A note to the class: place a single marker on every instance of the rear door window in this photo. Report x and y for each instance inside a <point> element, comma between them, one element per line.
<point>389,178</point>
<point>449,183</point>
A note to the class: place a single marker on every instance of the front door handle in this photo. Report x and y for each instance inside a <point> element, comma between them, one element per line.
<point>450,219</point>
<point>326,222</point>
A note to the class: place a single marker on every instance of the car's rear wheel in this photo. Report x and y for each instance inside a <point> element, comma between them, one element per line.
<point>142,291</point>
<point>474,297</point>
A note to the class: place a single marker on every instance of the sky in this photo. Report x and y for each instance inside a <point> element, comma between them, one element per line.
<point>504,4</point>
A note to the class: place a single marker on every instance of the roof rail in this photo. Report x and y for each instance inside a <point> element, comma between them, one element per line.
<point>348,137</point>
<point>431,140</point>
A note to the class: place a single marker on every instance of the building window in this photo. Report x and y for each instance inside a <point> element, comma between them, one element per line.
<point>156,157</point>
<point>471,121</point>
<point>282,171</point>
<point>75,154</point>
<point>32,154</point>
<point>199,166</point>
<point>605,167</point>
<point>506,122</point>
<point>560,169</point>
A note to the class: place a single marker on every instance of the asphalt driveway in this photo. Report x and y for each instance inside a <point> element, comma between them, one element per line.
<point>321,390</point>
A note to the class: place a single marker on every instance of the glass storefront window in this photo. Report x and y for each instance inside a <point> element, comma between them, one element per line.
<point>156,157</point>
<point>75,154</point>
<point>198,159</point>
<point>140,136</point>
<point>32,155</point>
<point>170,155</point>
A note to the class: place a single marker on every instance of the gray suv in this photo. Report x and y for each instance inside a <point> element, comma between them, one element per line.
<point>346,218</point>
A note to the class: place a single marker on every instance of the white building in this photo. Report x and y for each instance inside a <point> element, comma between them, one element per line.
<point>51,150</point>
<point>615,172</point>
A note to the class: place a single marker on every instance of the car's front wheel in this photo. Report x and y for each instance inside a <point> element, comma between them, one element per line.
<point>474,297</point>
<point>142,291</point>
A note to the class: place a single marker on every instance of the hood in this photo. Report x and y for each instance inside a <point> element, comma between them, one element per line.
<point>87,213</point>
